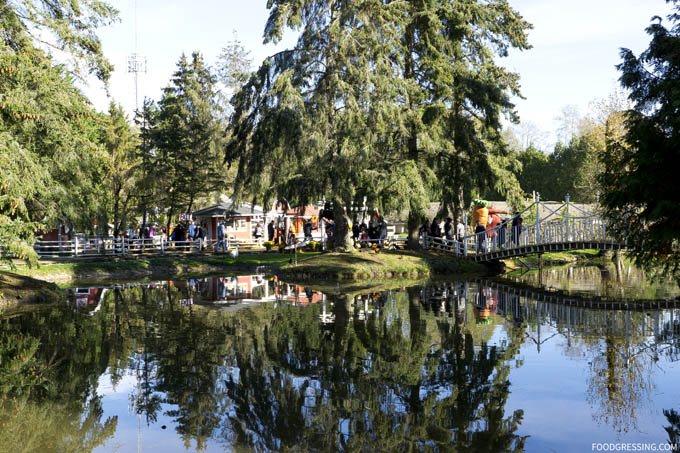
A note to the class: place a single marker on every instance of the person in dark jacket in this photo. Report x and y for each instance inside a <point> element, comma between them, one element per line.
<point>480,231</point>
<point>382,235</point>
<point>435,231</point>
<point>307,229</point>
<point>425,228</point>
<point>270,231</point>
<point>516,228</point>
<point>200,236</point>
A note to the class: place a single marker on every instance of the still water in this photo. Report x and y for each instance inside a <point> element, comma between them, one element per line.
<point>251,363</point>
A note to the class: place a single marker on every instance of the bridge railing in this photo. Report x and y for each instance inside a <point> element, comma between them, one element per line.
<point>581,229</point>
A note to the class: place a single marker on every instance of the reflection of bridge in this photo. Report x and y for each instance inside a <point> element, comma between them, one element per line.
<point>567,313</point>
<point>565,227</point>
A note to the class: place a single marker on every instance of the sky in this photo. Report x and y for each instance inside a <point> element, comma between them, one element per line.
<point>575,47</point>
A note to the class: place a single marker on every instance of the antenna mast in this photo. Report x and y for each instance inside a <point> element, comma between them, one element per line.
<point>136,62</point>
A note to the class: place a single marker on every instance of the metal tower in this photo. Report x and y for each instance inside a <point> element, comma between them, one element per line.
<point>136,62</point>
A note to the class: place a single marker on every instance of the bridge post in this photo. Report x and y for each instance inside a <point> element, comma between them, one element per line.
<point>537,201</point>
<point>566,215</point>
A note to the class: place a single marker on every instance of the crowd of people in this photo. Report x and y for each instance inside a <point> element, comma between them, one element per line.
<point>374,233</point>
<point>488,227</point>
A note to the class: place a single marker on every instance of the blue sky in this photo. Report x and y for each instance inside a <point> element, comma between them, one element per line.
<point>575,46</point>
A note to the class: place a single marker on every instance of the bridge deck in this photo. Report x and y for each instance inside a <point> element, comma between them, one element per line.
<point>523,250</point>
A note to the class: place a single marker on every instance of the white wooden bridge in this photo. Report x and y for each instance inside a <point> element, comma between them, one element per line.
<point>565,227</point>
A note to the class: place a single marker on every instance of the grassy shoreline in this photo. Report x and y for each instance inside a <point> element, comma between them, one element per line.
<point>383,265</point>
<point>329,266</point>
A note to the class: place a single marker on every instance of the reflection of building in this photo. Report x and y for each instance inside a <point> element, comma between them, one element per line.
<point>237,288</point>
<point>86,297</point>
<point>297,294</point>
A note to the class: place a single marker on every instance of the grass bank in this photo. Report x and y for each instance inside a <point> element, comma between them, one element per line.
<point>20,290</point>
<point>68,271</point>
<point>317,266</point>
<point>371,265</point>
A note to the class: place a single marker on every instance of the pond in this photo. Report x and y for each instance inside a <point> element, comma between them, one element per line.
<point>252,363</point>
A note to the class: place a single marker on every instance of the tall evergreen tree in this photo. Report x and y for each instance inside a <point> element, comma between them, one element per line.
<point>307,123</point>
<point>457,94</point>
<point>123,171</point>
<point>375,100</point>
<point>50,155</point>
<point>188,136</point>
<point>640,177</point>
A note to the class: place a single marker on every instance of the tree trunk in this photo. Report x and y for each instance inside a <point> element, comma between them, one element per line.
<point>458,207</point>
<point>342,237</point>
<point>415,219</point>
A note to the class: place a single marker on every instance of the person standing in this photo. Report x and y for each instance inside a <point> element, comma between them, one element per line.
<point>270,231</point>
<point>382,231</point>
<point>200,236</point>
<point>480,231</point>
<point>220,238</point>
<point>192,230</point>
<point>425,228</point>
<point>307,229</point>
<point>449,232</point>
<point>516,228</point>
<point>460,230</point>
<point>259,232</point>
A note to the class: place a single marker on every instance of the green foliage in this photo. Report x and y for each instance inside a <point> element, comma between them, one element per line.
<point>66,25</point>
<point>396,103</point>
<point>123,171</point>
<point>187,136</point>
<point>640,178</point>
<point>51,163</point>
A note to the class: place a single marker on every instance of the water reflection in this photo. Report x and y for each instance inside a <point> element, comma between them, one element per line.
<point>618,280</point>
<point>418,368</point>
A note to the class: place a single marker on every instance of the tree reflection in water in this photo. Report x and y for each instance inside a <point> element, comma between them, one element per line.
<point>623,354</point>
<point>384,375</point>
<point>387,371</point>
<point>368,383</point>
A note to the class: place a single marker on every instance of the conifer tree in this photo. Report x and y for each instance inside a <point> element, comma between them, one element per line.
<point>376,100</point>
<point>457,95</point>
<point>188,136</point>
<point>306,124</point>
<point>50,155</point>
<point>123,170</point>
<point>640,177</point>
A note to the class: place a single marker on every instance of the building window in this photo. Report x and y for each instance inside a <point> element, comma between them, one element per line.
<point>238,224</point>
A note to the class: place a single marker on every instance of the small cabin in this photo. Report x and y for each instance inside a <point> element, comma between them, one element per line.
<point>240,220</point>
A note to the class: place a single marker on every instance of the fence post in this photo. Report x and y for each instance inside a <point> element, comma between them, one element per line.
<point>75,244</point>
<point>566,198</point>
<point>537,200</point>
<point>122,246</point>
